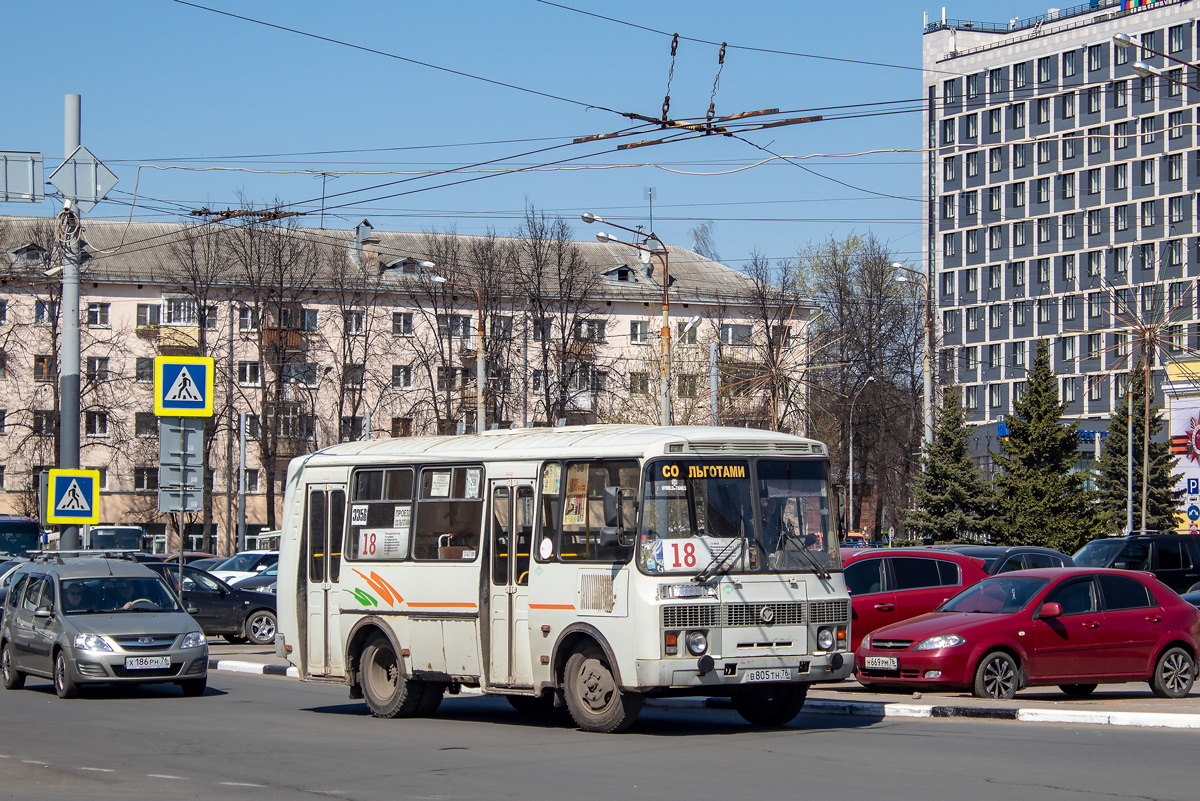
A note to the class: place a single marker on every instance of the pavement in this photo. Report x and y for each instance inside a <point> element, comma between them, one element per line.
<point>1111,704</point>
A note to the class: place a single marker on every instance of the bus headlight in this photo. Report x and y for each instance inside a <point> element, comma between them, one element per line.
<point>697,642</point>
<point>825,639</point>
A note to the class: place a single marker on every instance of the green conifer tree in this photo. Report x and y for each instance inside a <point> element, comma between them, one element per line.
<point>951,498</point>
<point>1040,498</point>
<point>1163,495</point>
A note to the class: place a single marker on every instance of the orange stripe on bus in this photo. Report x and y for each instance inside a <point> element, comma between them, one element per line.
<point>552,606</point>
<point>456,605</point>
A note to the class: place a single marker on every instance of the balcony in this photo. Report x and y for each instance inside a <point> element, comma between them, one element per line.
<point>284,339</point>
<point>178,340</point>
<point>581,350</point>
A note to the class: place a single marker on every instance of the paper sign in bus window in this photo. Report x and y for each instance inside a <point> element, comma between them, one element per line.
<point>472,490</point>
<point>358,515</point>
<point>439,485</point>
<point>377,543</point>
<point>402,516</point>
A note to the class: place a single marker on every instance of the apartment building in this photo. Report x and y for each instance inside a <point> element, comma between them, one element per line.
<point>1061,184</point>
<point>324,336</point>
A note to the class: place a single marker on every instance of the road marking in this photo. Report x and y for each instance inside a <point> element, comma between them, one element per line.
<point>33,762</point>
<point>100,770</point>
<point>165,776</point>
<point>241,784</point>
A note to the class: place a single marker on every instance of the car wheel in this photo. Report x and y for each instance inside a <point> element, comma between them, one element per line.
<point>996,677</point>
<point>388,694</point>
<point>260,627</point>
<point>64,682</point>
<point>1174,674</point>
<point>595,701</point>
<point>194,687</point>
<point>770,706</point>
<point>13,678</point>
<point>1077,690</point>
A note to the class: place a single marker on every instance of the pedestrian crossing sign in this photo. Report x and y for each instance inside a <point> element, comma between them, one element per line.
<point>73,497</point>
<point>183,386</point>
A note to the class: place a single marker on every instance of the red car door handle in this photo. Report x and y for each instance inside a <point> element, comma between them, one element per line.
<point>1091,624</point>
<point>885,607</point>
<point>1153,619</point>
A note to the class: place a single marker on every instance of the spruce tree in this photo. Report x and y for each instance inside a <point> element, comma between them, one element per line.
<point>1162,496</point>
<point>1040,498</point>
<point>951,498</point>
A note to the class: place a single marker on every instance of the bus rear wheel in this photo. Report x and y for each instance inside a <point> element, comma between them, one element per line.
<point>593,698</point>
<point>772,705</point>
<point>388,694</point>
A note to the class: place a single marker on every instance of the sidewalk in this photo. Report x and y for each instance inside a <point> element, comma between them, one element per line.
<point>1110,704</point>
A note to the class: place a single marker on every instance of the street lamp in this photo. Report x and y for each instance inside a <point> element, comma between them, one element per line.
<point>850,512</point>
<point>1144,70</point>
<point>480,367</point>
<point>661,252</point>
<point>927,357</point>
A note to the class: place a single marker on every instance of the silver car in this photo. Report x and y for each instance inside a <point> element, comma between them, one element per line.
<point>98,620</point>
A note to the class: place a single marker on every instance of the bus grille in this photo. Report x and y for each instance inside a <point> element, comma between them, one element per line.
<point>781,448</point>
<point>596,593</point>
<point>784,614</point>
<point>686,617</point>
<point>829,611</point>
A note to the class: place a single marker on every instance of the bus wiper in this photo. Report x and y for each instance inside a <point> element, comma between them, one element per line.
<point>788,533</point>
<point>717,561</point>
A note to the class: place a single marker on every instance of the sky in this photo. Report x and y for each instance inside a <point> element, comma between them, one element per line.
<point>443,116</point>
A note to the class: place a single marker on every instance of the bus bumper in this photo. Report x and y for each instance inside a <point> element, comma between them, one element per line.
<point>726,673</point>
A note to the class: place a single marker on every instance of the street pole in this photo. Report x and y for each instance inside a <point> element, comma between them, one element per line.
<point>241,524</point>
<point>850,513</point>
<point>69,230</point>
<point>1129,459</point>
<point>666,335</point>
<point>714,383</point>
<point>480,370</point>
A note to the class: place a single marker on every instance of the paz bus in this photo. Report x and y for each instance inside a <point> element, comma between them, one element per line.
<point>589,567</point>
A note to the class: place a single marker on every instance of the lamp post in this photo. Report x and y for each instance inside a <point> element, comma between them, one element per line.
<point>927,356</point>
<point>850,512</point>
<point>660,251</point>
<point>480,367</point>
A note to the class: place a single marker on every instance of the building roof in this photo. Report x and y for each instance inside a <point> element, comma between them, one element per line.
<point>140,252</point>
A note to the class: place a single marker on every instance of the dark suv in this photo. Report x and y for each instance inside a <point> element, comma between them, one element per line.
<point>1174,559</point>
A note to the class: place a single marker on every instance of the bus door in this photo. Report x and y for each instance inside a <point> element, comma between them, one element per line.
<point>508,612</point>
<point>324,521</point>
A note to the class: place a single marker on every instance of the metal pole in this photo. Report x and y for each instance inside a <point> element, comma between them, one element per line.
<point>1129,458</point>
<point>714,384</point>
<point>927,366</point>
<point>241,524</point>
<point>480,371</point>
<point>850,524</point>
<point>666,337</point>
<point>68,379</point>
<point>230,532</point>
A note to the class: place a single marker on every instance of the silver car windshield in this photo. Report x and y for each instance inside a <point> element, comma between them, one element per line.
<point>116,595</point>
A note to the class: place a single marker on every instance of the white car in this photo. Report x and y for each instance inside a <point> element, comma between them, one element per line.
<point>244,564</point>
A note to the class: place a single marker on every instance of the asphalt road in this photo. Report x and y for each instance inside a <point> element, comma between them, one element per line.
<point>254,737</point>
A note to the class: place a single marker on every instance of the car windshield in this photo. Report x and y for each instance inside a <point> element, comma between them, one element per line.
<point>241,563</point>
<point>999,595</point>
<point>1098,553</point>
<point>116,594</point>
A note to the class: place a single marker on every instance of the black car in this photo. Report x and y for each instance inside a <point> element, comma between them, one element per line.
<point>237,615</point>
<point>1174,559</point>
<point>263,582</point>
<point>1003,559</point>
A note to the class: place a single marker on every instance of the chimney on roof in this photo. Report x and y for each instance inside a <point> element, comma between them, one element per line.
<point>362,234</point>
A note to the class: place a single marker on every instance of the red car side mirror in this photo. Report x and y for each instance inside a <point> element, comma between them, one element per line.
<point>1050,610</point>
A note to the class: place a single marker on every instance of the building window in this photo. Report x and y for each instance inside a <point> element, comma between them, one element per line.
<point>685,335</point>
<point>1175,208</point>
<point>1147,85</point>
<point>948,284</point>
<point>1068,390</point>
<point>1095,140</point>
<point>1019,234</point>
<point>1068,267</point>
<point>639,383</point>
<point>248,374</point>
<point>995,317</point>
<point>1018,116</point>
<point>973,240</point>
<point>689,386</point>
<point>1120,176</point>
<point>1043,190</point>
<point>1174,80</point>
<point>1095,57</point>
<point>97,315</point>
<point>1175,38</point>
<point>973,164</point>
<point>148,315</point>
<point>1018,354</point>
<point>1044,306</point>
<point>302,373</point>
<point>995,395</point>
<point>401,376</point>
<point>1043,270</point>
<point>736,334</point>
<point>639,330</point>
<point>1018,156</point>
<point>1095,343</point>
<point>143,370</point>
<point>43,368</point>
<point>996,159</point>
<point>995,355</point>
<point>354,322</point>
<point>3,421</point>
<point>1019,313</point>
<point>948,244</point>
<point>45,423</point>
<point>247,318</point>
<point>402,427</point>
<point>402,324</point>
<point>948,321</point>
<point>96,369</point>
<point>1043,152</point>
<point>1018,273</point>
<point>1095,100</point>
<point>1068,63</point>
<point>1018,194</point>
<point>1019,75</point>
<point>994,276</point>
<point>995,198</point>
<point>352,375</point>
<point>1121,135</point>
<point>589,330</point>
<point>1068,106</point>
<point>971,126</point>
<point>1175,167</point>
<point>1093,181</point>
<point>145,479</point>
<point>1094,304</point>
<point>1095,220</point>
<point>1068,226</point>
<point>252,475</point>
<point>974,83</point>
<point>1120,259</point>
<point>95,424</point>
<point>1121,218</point>
<point>1094,259</point>
<point>1068,146</point>
<point>1175,124</point>
<point>949,168</point>
<point>996,80</point>
<point>1148,132</point>
<point>1068,304</point>
<point>1067,180</point>
<point>3,312</point>
<point>180,311</point>
<point>948,132</point>
<point>947,214</point>
<point>44,312</point>
<point>455,325</point>
<point>145,425</point>
<point>352,428</point>
<point>500,327</point>
<point>1174,253</point>
<point>1149,214</point>
<point>974,315</point>
<point>972,397</point>
<point>950,91</point>
<point>1045,229</point>
<point>1043,65</point>
<point>970,203</point>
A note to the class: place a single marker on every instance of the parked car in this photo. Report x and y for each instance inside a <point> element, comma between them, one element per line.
<point>1073,627</point>
<point>1174,559</point>
<point>207,563</point>
<point>7,573</point>
<point>1005,558</point>
<point>237,615</point>
<point>244,565</point>
<point>890,585</point>
<point>188,556</point>
<point>100,620</point>
<point>262,582</point>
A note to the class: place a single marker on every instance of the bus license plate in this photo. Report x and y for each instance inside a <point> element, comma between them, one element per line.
<point>147,662</point>
<point>882,663</point>
<point>766,674</point>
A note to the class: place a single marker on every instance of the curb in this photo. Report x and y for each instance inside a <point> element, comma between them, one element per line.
<point>875,709</point>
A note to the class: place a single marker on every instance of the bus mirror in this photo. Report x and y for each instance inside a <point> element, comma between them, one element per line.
<point>609,537</point>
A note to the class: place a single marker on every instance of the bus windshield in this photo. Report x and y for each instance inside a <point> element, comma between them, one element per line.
<point>701,516</point>
<point>19,537</point>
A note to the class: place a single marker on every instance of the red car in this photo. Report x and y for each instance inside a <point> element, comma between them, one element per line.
<point>891,585</point>
<point>1074,627</point>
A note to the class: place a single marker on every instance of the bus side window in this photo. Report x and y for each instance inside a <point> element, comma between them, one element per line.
<point>583,509</point>
<point>449,514</point>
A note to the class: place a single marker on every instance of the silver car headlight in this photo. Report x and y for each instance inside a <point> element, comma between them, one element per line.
<point>939,642</point>
<point>193,639</point>
<point>91,642</point>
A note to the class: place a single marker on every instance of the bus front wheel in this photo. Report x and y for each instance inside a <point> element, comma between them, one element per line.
<point>593,698</point>
<point>387,693</point>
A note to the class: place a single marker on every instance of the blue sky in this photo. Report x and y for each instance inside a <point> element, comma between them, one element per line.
<point>165,84</point>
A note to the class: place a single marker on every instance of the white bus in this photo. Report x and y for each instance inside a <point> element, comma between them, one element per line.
<point>590,567</point>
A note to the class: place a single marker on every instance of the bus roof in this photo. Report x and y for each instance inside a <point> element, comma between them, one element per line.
<point>571,441</point>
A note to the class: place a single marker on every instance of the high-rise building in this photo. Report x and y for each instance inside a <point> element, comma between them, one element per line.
<point>1061,183</point>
